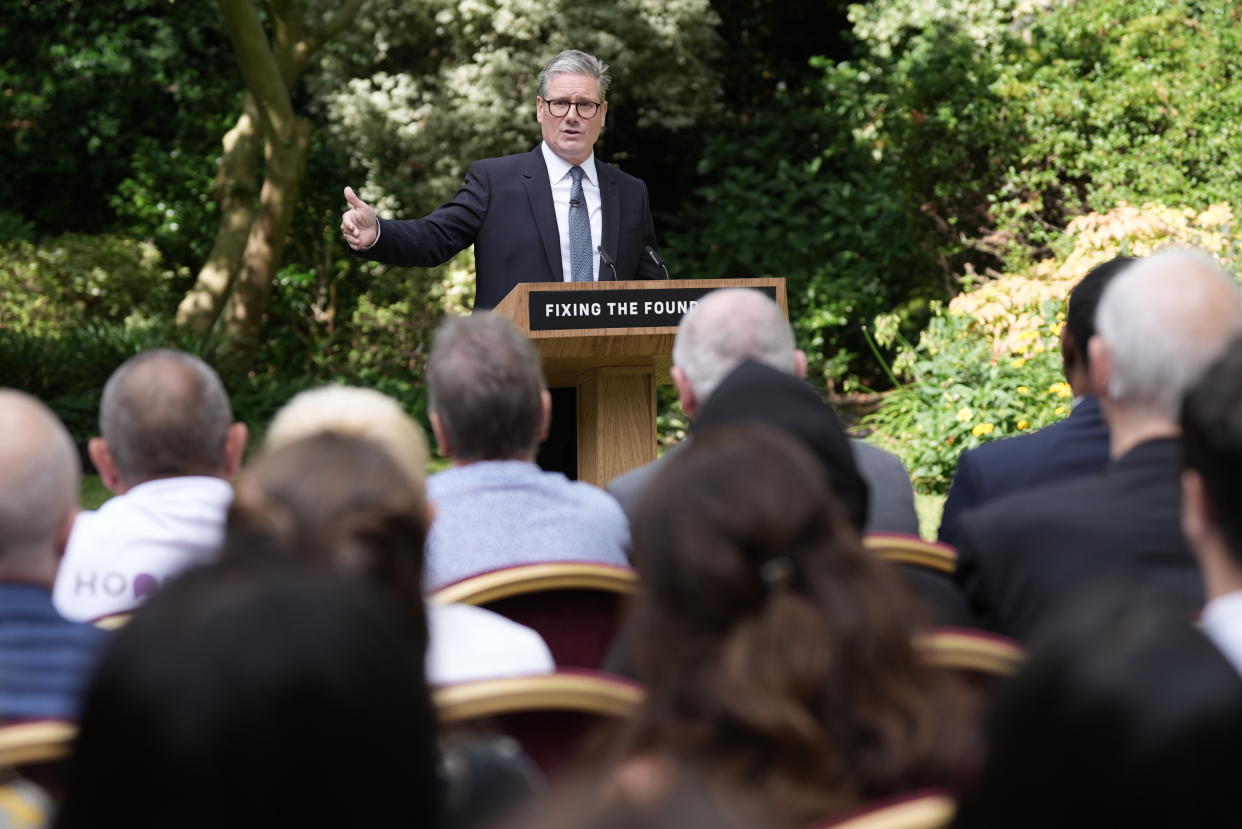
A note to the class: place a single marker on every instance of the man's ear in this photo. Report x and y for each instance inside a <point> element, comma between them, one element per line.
<point>1101,365</point>
<point>442,441</point>
<point>685,392</point>
<point>799,366</point>
<point>101,456</point>
<point>545,414</point>
<point>235,440</point>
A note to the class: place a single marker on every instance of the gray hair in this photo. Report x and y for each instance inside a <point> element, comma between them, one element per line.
<point>486,385</point>
<point>727,327</point>
<point>1165,319</point>
<point>38,479</point>
<point>573,62</point>
<point>165,413</point>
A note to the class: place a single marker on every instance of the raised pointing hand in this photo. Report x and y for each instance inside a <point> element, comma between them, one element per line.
<point>358,224</point>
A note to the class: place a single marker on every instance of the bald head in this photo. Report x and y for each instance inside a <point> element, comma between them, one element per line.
<point>38,485</point>
<point>727,327</point>
<point>164,414</point>
<point>1160,323</point>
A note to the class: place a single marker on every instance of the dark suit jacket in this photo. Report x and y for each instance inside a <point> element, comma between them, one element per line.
<point>1021,555</point>
<point>1071,448</point>
<point>505,210</point>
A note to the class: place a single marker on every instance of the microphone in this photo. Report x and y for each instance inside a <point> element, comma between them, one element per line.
<point>655,257</point>
<point>608,260</point>
<point>575,203</point>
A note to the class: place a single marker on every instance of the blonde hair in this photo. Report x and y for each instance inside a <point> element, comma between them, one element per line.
<point>354,412</point>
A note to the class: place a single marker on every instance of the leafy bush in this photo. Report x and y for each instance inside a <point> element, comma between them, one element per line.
<point>74,280</point>
<point>988,364</point>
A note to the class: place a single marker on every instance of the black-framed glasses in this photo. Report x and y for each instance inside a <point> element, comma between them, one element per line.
<point>560,108</point>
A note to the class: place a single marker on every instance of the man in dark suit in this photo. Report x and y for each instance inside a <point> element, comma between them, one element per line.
<point>1211,493</point>
<point>1071,448</point>
<point>549,215</point>
<point>1159,325</point>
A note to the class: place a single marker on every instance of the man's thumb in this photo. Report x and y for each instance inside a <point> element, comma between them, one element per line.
<point>352,198</point>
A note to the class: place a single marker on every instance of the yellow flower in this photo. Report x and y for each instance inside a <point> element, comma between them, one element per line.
<point>1061,390</point>
<point>1023,390</point>
<point>1023,424</point>
<point>964,415</point>
<point>982,429</point>
<point>1018,363</point>
<point>1059,410</point>
<point>1028,335</point>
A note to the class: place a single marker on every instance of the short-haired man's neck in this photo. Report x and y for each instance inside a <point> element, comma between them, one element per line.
<point>120,482</point>
<point>444,443</point>
<point>1221,569</point>
<point>1130,422</point>
<point>549,154</point>
<point>692,401</point>
<point>36,561</point>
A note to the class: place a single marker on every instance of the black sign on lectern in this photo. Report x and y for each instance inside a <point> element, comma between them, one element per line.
<point>623,308</point>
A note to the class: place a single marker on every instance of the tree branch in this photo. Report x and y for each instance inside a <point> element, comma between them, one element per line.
<point>258,66</point>
<point>333,26</point>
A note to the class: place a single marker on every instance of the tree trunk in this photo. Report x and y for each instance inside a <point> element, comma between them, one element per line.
<point>252,288</point>
<point>235,190</point>
<point>235,284</point>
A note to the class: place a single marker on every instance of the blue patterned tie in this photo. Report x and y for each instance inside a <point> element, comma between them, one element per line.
<point>579,232</point>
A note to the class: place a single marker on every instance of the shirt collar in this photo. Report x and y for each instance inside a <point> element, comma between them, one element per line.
<point>558,167</point>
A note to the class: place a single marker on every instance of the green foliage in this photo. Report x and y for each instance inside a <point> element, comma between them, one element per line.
<point>962,394</point>
<point>76,280</point>
<point>110,110</point>
<point>988,364</point>
<point>420,90</point>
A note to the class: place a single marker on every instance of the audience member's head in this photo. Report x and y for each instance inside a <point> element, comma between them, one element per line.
<point>353,412</point>
<point>1125,715</point>
<point>729,326</point>
<point>256,694</point>
<point>38,488</point>
<point>337,502</point>
<point>776,651</point>
<point>1212,482</point>
<point>165,414</point>
<point>1160,323</point>
<point>1079,328</point>
<point>756,393</point>
<point>488,397</point>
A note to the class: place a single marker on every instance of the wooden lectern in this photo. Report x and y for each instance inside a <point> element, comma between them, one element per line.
<point>613,342</point>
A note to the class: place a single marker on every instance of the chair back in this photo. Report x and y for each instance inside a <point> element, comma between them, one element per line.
<point>113,621</point>
<point>574,605</point>
<point>926,809</point>
<point>38,750</point>
<point>549,715</point>
<point>37,741</point>
<point>910,549</point>
<point>966,649</point>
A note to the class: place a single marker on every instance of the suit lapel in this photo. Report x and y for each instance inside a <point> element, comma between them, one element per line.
<point>610,197</point>
<point>539,191</point>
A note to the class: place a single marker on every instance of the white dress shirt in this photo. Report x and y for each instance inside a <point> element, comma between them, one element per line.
<point>1222,622</point>
<point>562,183</point>
<point>466,643</point>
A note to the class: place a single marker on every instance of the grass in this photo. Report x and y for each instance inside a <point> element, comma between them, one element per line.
<point>929,508</point>
<point>92,493</point>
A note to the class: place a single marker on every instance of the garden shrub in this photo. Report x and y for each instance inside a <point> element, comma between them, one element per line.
<point>988,364</point>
